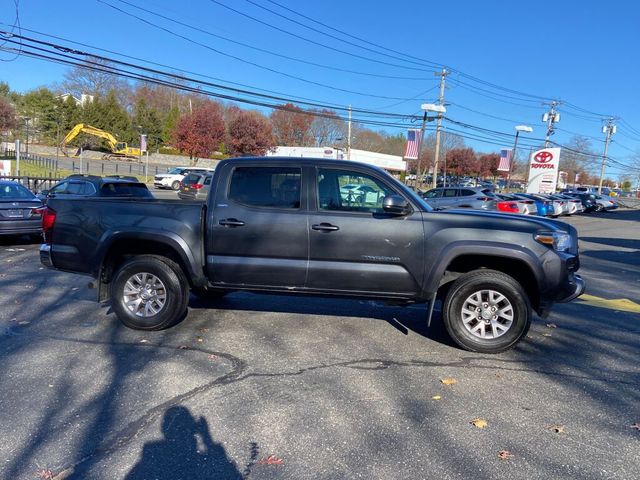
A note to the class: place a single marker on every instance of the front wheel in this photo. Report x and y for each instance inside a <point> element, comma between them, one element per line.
<point>486,311</point>
<point>175,185</point>
<point>149,293</point>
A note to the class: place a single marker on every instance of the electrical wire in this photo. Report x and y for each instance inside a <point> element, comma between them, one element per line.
<point>237,58</point>
<point>269,52</point>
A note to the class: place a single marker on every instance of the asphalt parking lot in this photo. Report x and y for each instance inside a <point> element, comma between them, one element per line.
<point>270,387</point>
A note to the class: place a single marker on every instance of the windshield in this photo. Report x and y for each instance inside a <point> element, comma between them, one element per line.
<point>176,171</point>
<point>15,192</point>
<point>138,190</point>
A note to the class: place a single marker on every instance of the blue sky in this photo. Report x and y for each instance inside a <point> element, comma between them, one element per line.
<point>582,53</point>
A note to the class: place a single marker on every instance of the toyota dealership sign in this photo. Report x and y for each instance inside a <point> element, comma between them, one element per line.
<point>543,171</point>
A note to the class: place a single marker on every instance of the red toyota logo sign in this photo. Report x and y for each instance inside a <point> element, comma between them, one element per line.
<point>543,157</point>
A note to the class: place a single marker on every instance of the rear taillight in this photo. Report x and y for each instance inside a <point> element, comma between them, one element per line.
<point>508,207</point>
<point>48,220</point>
<point>197,186</point>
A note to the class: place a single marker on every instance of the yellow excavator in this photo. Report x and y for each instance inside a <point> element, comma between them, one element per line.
<point>118,149</point>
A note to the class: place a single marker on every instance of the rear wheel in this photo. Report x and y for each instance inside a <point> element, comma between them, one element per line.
<point>149,293</point>
<point>486,311</point>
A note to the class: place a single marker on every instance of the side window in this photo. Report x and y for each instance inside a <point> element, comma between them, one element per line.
<point>276,187</point>
<point>60,188</point>
<point>449,192</point>
<point>76,188</point>
<point>465,192</point>
<point>342,190</point>
<point>435,193</point>
<point>207,180</point>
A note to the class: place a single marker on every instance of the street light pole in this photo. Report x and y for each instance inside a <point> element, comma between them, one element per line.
<point>442,75</point>
<point>519,128</point>
<point>418,181</point>
<point>26,151</point>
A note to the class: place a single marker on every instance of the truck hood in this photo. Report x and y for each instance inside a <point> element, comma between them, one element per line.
<point>507,221</point>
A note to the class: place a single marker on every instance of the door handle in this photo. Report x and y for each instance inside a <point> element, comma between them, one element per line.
<point>231,222</point>
<point>325,227</point>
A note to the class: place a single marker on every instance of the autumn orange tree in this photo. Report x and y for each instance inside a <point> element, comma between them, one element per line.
<point>249,133</point>
<point>201,133</point>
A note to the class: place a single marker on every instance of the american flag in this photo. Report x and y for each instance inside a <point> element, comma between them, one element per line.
<point>413,141</point>
<point>505,160</point>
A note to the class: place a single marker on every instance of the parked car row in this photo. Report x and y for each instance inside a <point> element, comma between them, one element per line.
<point>545,205</point>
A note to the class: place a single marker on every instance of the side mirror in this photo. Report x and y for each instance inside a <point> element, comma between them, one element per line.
<point>395,205</point>
<point>44,193</point>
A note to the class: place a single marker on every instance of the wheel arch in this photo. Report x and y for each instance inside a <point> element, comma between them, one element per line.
<point>519,263</point>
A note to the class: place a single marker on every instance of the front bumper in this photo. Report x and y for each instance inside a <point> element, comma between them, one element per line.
<point>573,289</point>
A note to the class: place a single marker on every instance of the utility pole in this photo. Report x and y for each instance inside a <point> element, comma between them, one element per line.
<point>349,136</point>
<point>550,118</point>
<point>609,129</point>
<point>442,75</point>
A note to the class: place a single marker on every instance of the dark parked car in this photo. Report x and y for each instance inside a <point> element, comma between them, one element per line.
<point>95,186</point>
<point>283,225</point>
<point>195,186</point>
<point>588,200</point>
<point>18,210</point>
<point>460,197</point>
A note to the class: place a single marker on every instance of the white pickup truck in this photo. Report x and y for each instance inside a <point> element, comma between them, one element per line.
<point>174,176</point>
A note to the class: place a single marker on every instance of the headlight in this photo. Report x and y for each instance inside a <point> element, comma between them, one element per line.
<point>560,241</point>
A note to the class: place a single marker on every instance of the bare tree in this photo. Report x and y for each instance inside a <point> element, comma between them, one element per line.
<point>84,79</point>
<point>574,158</point>
<point>327,129</point>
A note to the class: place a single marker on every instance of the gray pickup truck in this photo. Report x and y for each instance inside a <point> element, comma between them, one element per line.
<point>316,227</point>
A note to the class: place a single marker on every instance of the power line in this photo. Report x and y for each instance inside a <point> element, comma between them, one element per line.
<point>235,57</point>
<point>269,52</point>
<point>300,37</point>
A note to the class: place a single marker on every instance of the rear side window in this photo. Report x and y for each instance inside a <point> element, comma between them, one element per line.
<point>138,190</point>
<point>277,187</point>
<point>465,192</point>
<point>80,188</point>
<point>449,192</point>
<point>18,192</point>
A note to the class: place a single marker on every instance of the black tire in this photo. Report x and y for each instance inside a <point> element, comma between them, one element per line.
<point>598,208</point>
<point>175,185</point>
<point>480,282</point>
<point>176,291</point>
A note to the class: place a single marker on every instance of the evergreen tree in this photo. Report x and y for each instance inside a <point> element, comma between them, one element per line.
<point>148,120</point>
<point>169,124</point>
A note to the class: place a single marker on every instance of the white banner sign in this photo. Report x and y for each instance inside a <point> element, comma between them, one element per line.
<point>5,167</point>
<point>543,171</point>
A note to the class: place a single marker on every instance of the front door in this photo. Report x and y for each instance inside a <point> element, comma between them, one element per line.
<point>353,245</point>
<point>258,234</point>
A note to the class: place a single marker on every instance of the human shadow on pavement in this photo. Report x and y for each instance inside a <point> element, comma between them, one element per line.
<point>186,451</point>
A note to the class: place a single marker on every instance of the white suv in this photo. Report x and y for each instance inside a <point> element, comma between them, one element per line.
<point>174,176</point>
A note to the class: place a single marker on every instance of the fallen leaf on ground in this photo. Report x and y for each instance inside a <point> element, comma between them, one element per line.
<point>199,339</point>
<point>23,322</point>
<point>449,381</point>
<point>74,289</point>
<point>556,428</point>
<point>436,397</point>
<point>551,325</point>
<point>45,474</point>
<point>271,460</point>
<point>204,330</point>
<point>498,375</point>
<point>636,426</point>
<point>144,341</point>
<point>212,357</point>
<point>546,334</point>
<point>505,455</point>
<point>479,423</point>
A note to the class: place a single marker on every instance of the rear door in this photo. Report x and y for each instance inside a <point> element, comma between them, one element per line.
<point>356,247</point>
<point>258,235</point>
<point>449,198</point>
